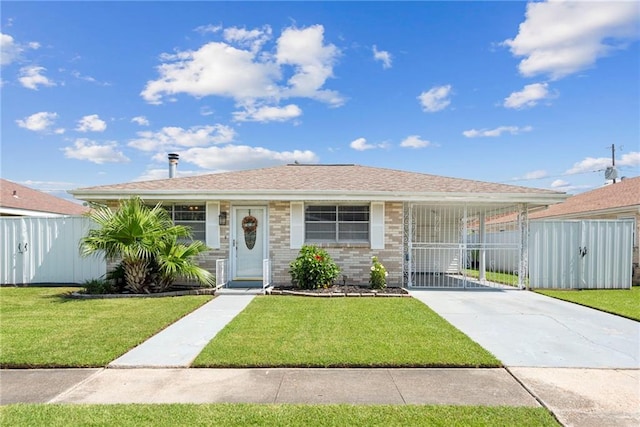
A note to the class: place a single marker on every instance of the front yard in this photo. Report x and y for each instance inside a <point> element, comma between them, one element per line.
<point>42,328</point>
<point>286,331</point>
<point>623,302</point>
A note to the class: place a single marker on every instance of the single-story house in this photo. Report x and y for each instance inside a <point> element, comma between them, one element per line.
<point>614,201</point>
<point>418,225</point>
<point>18,200</point>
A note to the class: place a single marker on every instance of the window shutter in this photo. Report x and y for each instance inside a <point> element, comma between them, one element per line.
<point>377,225</point>
<point>296,229</point>
<point>212,227</point>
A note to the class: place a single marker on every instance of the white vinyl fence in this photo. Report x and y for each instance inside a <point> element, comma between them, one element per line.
<point>590,254</point>
<point>46,250</point>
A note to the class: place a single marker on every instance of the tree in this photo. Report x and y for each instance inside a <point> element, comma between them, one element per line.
<point>145,239</point>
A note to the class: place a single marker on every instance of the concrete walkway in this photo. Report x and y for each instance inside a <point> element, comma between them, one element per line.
<point>526,329</point>
<point>470,386</point>
<point>180,343</point>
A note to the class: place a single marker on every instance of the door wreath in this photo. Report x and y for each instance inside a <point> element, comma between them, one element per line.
<point>249,226</point>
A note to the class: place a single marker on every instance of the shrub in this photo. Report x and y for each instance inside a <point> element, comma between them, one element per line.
<point>313,269</point>
<point>378,276</point>
<point>98,286</point>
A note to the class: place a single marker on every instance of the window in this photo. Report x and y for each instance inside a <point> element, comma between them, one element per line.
<point>336,224</point>
<point>192,216</point>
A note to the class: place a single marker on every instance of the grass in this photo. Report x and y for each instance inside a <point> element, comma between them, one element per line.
<point>41,328</point>
<point>271,415</point>
<point>341,332</point>
<point>496,277</point>
<point>623,302</point>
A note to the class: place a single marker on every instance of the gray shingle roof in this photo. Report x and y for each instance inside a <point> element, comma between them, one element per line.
<point>318,178</point>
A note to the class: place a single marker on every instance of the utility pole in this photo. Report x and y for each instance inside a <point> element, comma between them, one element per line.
<point>613,159</point>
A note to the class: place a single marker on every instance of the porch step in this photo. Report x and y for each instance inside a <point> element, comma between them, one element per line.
<point>244,284</point>
<point>240,291</point>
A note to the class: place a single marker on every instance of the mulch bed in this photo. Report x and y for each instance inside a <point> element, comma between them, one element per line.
<point>340,291</point>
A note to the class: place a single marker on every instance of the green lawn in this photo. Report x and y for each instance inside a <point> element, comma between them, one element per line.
<point>271,415</point>
<point>41,328</point>
<point>496,277</point>
<point>623,302</point>
<point>287,331</point>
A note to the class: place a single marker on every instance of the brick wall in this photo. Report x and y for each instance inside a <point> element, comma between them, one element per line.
<point>353,260</point>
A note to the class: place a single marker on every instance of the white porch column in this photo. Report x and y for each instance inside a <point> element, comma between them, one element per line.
<point>523,265</point>
<point>482,261</point>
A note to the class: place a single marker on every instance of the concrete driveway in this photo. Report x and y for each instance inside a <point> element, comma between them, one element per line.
<point>525,329</point>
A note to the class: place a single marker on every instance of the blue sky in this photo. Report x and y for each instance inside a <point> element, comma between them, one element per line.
<point>530,94</point>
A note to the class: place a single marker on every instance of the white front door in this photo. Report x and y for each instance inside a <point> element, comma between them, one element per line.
<point>250,237</point>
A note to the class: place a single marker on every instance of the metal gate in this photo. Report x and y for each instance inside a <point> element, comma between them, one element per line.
<point>45,250</point>
<point>590,254</point>
<point>464,246</point>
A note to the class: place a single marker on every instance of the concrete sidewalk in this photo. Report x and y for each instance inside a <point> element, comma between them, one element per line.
<point>578,397</point>
<point>458,386</point>
<point>180,343</point>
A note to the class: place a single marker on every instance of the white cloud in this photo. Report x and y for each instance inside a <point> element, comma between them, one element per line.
<point>78,75</point>
<point>268,114</point>
<point>91,123</point>
<point>559,38</point>
<point>253,39</point>
<point>537,174</point>
<point>591,164</point>
<point>529,96</point>
<point>513,130</point>
<point>141,120</point>
<point>360,144</point>
<point>313,61</point>
<point>414,141</point>
<point>435,99</point>
<point>85,149</point>
<point>558,183</point>
<point>31,77</point>
<point>10,50</point>
<point>382,56</point>
<point>239,68</point>
<point>234,157</point>
<point>38,122</point>
<point>203,29</point>
<point>175,137</point>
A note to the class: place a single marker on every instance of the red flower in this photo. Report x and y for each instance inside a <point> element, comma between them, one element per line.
<point>318,257</point>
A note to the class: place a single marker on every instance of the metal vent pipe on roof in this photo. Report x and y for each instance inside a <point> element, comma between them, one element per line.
<point>173,164</point>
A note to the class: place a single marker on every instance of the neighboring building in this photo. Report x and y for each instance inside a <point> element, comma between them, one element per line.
<point>614,201</point>
<point>418,225</point>
<point>18,200</point>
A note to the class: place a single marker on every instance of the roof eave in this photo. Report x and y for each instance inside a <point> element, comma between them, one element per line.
<point>530,198</point>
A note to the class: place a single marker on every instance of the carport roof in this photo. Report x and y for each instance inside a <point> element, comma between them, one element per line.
<point>310,182</point>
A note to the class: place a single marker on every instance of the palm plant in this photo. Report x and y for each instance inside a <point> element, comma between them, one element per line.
<point>176,259</point>
<point>135,233</point>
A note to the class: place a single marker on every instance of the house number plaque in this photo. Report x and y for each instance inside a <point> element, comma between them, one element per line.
<point>249,226</point>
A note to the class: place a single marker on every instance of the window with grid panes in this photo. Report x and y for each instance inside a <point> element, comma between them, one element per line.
<point>192,216</point>
<point>336,223</point>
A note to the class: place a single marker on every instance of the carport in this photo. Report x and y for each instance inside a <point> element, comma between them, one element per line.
<point>463,245</point>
